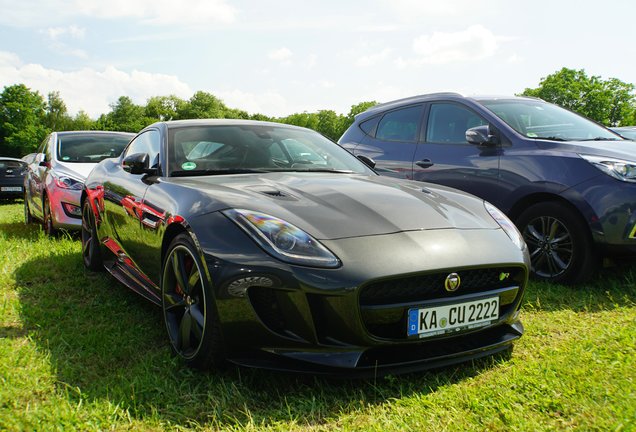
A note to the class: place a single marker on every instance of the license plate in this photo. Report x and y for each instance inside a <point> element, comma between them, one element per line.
<point>438,320</point>
<point>11,189</point>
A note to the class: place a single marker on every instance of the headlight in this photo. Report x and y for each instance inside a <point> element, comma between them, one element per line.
<point>506,224</point>
<point>619,169</point>
<point>282,239</point>
<point>66,182</point>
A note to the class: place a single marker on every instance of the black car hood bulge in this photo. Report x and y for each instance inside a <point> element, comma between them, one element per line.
<point>332,206</point>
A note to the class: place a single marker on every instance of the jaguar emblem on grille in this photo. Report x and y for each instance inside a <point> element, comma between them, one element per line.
<point>452,282</point>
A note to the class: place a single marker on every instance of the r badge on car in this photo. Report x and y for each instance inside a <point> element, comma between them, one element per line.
<point>452,282</point>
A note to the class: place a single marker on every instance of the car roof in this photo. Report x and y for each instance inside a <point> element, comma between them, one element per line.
<point>94,132</point>
<point>434,96</point>
<point>6,158</point>
<point>223,122</point>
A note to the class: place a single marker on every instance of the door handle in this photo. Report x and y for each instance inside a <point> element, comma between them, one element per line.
<point>424,163</point>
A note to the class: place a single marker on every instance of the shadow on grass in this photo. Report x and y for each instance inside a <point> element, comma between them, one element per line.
<point>108,344</point>
<point>611,287</point>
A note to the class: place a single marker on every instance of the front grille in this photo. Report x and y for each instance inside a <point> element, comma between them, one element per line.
<point>414,289</point>
<point>384,304</point>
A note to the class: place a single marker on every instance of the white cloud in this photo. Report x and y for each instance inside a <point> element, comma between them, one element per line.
<point>89,89</point>
<point>28,13</point>
<point>474,43</point>
<point>281,54</point>
<point>416,10</point>
<point>373,59</point>
<point>73,31</point>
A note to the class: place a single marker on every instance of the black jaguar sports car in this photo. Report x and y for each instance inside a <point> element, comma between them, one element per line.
<point>268,245</point>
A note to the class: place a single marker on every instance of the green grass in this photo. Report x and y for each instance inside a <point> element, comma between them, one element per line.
<point>80,352</point>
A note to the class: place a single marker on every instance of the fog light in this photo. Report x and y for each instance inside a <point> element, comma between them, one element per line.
<point>72,210</point>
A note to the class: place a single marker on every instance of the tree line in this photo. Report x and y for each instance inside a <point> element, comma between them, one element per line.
<point>26,117</point>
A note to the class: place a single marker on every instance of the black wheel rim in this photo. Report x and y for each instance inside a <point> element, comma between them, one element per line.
<point>88,225</point>
<point>184,302</point>
<point>550,245</point>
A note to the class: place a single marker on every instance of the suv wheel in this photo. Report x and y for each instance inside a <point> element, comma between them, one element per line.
<point>559,242</point>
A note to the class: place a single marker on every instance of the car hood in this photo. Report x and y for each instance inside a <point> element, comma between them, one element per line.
<point>332,206</point>
<point>77,170</point>
<point>617,149</point>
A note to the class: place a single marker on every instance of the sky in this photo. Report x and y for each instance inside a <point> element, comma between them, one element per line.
<point>279,57</point>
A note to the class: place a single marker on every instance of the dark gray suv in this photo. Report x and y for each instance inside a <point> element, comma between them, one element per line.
<point>567,182</point>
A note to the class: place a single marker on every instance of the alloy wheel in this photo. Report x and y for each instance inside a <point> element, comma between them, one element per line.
<point>550,245</point>
<point>184,302</point>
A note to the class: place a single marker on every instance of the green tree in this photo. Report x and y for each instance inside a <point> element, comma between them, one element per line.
<point>22,113</point>
<point>82,121</point>
<point>202,105</point>
<point>160,108</point>
<point>329,124</point>
<point>124,116</point>
<point>305,119</point>
<point>611,102</point>
<point>56,116</point>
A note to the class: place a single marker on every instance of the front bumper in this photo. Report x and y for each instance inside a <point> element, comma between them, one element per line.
<point>612,213</point>
<point>354,318</point>
<point>63,203</point>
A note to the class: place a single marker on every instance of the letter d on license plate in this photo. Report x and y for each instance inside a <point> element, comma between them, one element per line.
<point>454,317</point>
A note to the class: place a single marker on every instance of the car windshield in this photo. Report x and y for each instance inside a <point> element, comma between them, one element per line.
<point>629,134</point>
<point>244,148</point>
<point>538,119</point>
<point>90,147</point>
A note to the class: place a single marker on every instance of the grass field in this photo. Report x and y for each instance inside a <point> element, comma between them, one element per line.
<point>80,352</point>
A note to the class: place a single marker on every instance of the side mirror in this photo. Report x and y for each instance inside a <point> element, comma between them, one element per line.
<point>138,163</point>
<point>480,135</point>
<point>367,161</point>
<point>40,158</point>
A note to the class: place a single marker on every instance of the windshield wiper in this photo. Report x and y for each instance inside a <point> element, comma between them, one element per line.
<point>550,138</point>
<point>191,173</point>
<point>321,170</point>
<point>602,139</point>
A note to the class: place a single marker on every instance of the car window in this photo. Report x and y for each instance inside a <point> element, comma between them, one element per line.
<point>400,125</point>
<point>89,147</point>
<point>148,143</point>
<point>254,147</point>
<point>448,123</point>
<point>538,119</point>
<point>368,126</point>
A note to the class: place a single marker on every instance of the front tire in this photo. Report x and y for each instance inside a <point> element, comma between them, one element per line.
<point>560,243</point>
<point>47,219</point>
<point>189,308</point>
<point>90,241</point>
<point>28,218</point>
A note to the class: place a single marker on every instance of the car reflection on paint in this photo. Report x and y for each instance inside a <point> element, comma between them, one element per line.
<point>55,175</point>
<point>267,245</point>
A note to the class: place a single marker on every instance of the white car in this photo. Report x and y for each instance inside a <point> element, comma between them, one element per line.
<point>54,180</point>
